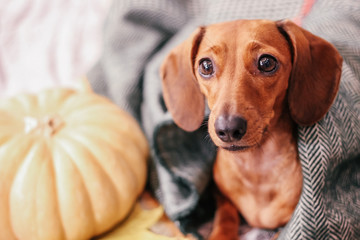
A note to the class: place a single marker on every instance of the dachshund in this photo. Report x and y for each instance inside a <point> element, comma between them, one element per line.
<point>260,79</point>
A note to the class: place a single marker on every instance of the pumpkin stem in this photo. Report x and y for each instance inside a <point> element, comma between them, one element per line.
<point>46,126</point>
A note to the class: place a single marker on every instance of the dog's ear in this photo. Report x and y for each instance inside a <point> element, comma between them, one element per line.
<point>315,76</point>
<point>180,89</point>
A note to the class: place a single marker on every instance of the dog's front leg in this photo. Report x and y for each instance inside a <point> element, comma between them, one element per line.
<point>226,221</point>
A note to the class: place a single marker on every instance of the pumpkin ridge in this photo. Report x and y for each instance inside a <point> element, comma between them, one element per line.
<point>83,141</point>
<point>36,221</point>
<point>61,148</point>
<point>8,132</point>
<point>27,102</point>
<point>123,146</point>
<point>114,115</point>
<point>54,97</point>
<point>111,112</point>
<point>81,138</point>
<point>124,128</point>
<point>17,187</point>
<point>9,173</point>
<point>81,101</point>
<point>49,149</point>
<point>66,148</point>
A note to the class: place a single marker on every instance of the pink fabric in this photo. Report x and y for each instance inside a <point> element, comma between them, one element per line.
<point>305,10</point>
<point>48,43</point>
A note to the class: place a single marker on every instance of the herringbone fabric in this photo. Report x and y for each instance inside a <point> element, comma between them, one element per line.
<point>329,207</point>
<point>138,36</point>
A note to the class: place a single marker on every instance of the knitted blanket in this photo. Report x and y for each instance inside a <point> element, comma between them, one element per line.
<point>140,33</point>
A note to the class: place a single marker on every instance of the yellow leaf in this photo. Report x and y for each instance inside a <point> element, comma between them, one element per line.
<point>136,226</point>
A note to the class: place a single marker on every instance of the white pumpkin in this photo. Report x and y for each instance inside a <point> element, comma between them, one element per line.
<point>71,165</point>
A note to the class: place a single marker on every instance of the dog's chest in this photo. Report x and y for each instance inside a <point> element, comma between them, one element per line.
<point>264,184</point>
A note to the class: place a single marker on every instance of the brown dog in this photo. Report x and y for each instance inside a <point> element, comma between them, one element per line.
<point>260,79</point>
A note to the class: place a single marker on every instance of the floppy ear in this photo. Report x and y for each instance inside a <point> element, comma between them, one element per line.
<point>180,89</point>
<point>315,76</point>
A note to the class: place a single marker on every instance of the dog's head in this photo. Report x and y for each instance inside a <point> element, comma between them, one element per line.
<point>250,71</point>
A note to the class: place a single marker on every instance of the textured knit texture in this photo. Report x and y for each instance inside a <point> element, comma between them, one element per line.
<point>138,36</point>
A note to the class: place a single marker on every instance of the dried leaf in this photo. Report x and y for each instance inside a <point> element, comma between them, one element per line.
<point>136,226</point>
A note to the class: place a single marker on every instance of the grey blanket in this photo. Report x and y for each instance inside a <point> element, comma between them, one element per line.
<point>140,33</point>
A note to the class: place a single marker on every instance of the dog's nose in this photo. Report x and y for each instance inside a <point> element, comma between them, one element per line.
<point>230,128</point>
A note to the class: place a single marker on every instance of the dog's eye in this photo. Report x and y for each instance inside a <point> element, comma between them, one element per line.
<point>206,68</point>
<point>267,63</point>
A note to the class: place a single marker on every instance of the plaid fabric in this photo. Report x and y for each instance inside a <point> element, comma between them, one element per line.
<point>140,33</point>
